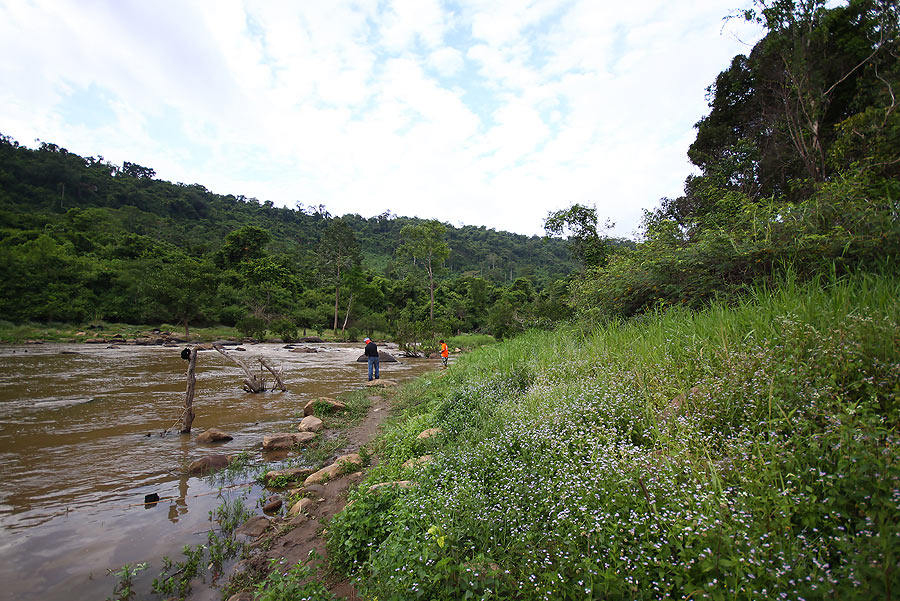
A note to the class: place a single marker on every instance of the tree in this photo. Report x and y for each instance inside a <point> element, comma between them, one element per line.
<point>181,286</point>
<point>579,224</point>
<point>425,242</point>
<point>337,252</point>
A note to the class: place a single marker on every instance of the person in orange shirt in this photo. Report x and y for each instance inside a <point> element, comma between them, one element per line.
<point>445,354</point>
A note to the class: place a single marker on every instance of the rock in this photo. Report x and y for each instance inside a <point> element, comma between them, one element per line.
<point>381,382</point>
<point>344,463</point>
<point>429,433</point>
<point>239,348</point>
<point>241,596</point>
<point>226,343</point>
<point>327,403</point>
<point>80,334</point>
<point>285,440</point>
<point>310,423</point>
<point>313,489</point>
<point>254,526</point>
<point>299,519</point>
<point>417,461</point>
<point>302,506</point>
<point>96,341</point>
<point>397,483</point>
<point>310,339</point>
<point>383,357</point>
<point>304,349</point>
<point>289,475</point>
<point>273,505</point>
<point>209,463</point>
<point>213,435</point>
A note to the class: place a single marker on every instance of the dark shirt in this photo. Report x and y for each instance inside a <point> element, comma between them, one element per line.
<point>371,350</point>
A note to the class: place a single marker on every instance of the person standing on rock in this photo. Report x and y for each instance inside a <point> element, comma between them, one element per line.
<point>371,354</point>
<point>445,354</point>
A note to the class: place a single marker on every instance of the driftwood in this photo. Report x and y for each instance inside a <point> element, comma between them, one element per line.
<point>253,383</point>
<point>274,374</point>
<point>188,417</point>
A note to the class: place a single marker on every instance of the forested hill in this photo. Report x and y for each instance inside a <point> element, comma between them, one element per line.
<point>82,239</point>
<point>50,185</point>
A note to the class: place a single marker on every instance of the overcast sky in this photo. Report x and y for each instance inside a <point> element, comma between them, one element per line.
<point>476,112</point>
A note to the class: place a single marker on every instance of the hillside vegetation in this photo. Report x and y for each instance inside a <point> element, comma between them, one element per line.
<point>743,452</point>
<point>720,418</point>
<point>84,240</point>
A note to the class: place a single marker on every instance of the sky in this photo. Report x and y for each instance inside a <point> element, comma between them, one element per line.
<point>473,112</point>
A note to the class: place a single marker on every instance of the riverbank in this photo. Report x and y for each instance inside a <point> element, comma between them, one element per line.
<point>739,452</point>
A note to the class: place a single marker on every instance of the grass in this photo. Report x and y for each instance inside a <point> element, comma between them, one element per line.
<point>742,452</point>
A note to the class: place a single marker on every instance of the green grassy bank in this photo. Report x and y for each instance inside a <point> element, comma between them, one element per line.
<point>577,465</point>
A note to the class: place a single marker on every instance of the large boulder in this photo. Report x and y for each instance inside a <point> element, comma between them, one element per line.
<point>303,505</point>
<point>285,440</point>
<point>382,357</point>
<point>207,464</point>
<point>304,349</point>
<point>213,435</point>
<point>328,404</point>
<point>310,423</point>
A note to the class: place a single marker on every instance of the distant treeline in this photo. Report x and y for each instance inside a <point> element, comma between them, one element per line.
<point>82,239</point>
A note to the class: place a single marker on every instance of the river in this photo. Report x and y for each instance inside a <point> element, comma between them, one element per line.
<point>81,445</point>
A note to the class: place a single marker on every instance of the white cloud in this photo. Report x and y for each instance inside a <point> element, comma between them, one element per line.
<point>489,113</point>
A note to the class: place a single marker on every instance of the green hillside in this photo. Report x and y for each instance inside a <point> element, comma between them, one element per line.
<point>81,239</point>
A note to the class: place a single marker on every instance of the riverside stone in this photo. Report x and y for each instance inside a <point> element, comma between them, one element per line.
<point>351,462</point>
<point>310,423</point>
<point>254,527</point>
<point>417,461</point>
<point>333,404</point>
<point>425,434</point>
<point>285,440</point>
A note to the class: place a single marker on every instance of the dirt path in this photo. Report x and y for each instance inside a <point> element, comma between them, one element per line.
<point>329,498</point>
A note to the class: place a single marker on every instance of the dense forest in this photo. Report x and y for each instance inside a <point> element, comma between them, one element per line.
<point>84,240</point>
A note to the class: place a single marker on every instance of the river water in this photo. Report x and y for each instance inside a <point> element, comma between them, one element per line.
<point>81,445</point>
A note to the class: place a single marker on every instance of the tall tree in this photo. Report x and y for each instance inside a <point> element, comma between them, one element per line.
<point>338,251</point>
<point>425,243</point>
<point>579,224</point>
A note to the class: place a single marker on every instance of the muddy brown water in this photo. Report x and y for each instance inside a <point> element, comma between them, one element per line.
<point>81,446</point>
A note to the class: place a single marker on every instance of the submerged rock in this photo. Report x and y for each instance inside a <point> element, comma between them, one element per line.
<point>382,357</point>
<point>213,435</point>
<point>207,464</point>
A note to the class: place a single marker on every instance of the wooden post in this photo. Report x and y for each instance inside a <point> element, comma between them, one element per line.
<point>189,395</point>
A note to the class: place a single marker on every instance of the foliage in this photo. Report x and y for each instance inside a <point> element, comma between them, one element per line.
<point>82,239</point>
<point>739,452</point>
<point>297,582</point>
<point>124,589</point>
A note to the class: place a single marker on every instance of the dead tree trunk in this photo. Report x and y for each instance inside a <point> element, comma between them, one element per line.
<point>274,374</point>
<point>188,418</point>
<point>252,383</point>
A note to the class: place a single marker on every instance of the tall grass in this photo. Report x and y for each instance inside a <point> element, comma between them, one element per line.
<point>742,452</point>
